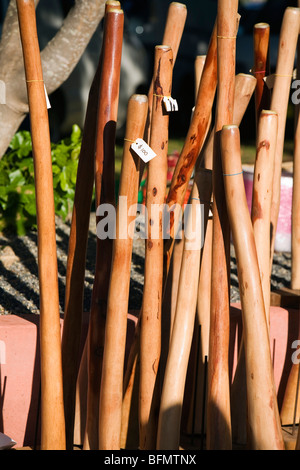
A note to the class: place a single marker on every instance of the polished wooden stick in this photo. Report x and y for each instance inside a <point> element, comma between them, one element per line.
<point>174,27</point>
<point>279,102</point>
<point>262,197</point>
<point>261,69</point>
<point>193,144</point>
<point>75,274</point>
<point>52,407</point>
<point>150,341</point>
<point>104,194</point>
<point>263,416</point>
<point>218,397</point>
<point>182,332</point>
<point>111,391</point>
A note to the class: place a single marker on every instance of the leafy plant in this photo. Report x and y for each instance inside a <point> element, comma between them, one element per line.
<point>17,189</point>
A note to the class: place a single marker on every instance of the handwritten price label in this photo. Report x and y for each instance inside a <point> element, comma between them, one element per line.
<point>170,104</point>
<point>143,150</point>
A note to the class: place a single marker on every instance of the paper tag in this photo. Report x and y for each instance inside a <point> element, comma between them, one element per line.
<point>170,104</point>
<point>269,81</point>
<point>47,98</point>
<point>143,150</point>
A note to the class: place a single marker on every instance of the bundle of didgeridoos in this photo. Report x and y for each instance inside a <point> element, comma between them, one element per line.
<point>150,340</point>
<point>111,390</point>
<point>244,89</point>
<point>279,102</point>
<point>263,415</point>
<point>218,398</point>
<point>104,194</point>
<point>261,68</point>
<point>52,407</point>
<point>75,408</point>
<point>169,425</point>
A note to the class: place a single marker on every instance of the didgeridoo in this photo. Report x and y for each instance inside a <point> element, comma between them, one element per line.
<point>75,274</point>
<point>104,194</point>
<point>150,340</point>
<point>52,405</point>
<point>173,31</point>
<point>263,416</point>
<point>260,217</point>
<point>262,197</point>
<point>198,66</point>
<point>261,68</point>
<point>194,141</point>
<point>279,103</point>
<point>218,395</point>
<point>182,332</point>
<point>111,390</point>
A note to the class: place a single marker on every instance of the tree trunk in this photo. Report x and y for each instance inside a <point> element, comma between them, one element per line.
<point>59,58</point>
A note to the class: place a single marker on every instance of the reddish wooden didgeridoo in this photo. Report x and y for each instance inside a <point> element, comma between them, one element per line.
<point>52,406</point>
<point>75,274</point>
<point>263,416</point>
<point>218,395</point>
<point>111,390</point>
<point>261,69</point>
<point>104,194</point>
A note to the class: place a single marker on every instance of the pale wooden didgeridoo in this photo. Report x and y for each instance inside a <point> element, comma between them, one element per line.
<point>198,66</point>
<point>104,194</point>
<point>263,416</point>
<point>175,22</point>
<point>52,406</point>
<point>111,391</point>
<point>150,340</point>
<point>261,68</point>
<point>218,395</point>
<point>193,144</point>
<point>182,332</point>
<point>260,217</point>
<point>262,197</point>
<point>76,265</point>
<point>279,102</point>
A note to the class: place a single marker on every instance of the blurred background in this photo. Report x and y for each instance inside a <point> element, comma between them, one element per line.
<point>144,27</point>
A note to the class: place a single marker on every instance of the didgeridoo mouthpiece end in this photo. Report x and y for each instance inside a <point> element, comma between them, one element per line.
<point>115,10</point>
<point>139,98</point>
<point>261,26</point>
<point>163,47</point>
<point>230,127</point>
<point>112,2</point>
<point>179,5</point>
<point>268,112</point>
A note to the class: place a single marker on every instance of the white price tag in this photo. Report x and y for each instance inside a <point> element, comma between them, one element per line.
<point>143,150</point>
<point>170,104</point>
<point>47,98</point>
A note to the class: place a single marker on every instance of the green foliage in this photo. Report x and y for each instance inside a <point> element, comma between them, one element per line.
<point>17,189</point>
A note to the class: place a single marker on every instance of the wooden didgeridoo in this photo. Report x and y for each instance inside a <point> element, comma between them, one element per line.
<point>244,89</point>
<point>218,390</point>
<point>279,103</point>
<point>263,416</point>
<point>76,260</point>
<point>194,141</point>
<point>262,197</point>
<point>261,68</point>
<point>111,390</point>
<point>104,194</point>
<point>173,31</point>
<point>168,435</point>
<point>150,340</point>
<point>260,217</point>
<point>52,405</point>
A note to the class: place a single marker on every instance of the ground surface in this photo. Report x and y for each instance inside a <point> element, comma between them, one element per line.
<point>19,289</point>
